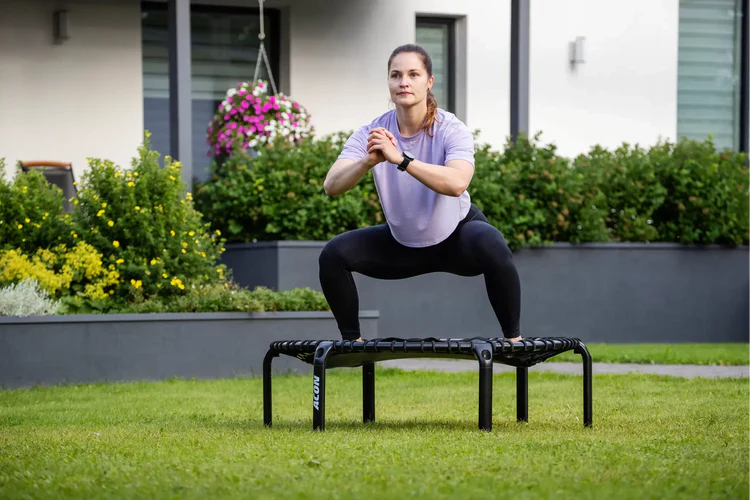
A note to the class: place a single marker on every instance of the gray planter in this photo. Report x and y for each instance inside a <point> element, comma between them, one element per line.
<point>611,292</point>
<point>126,347</point>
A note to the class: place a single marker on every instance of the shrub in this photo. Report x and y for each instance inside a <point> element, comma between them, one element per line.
<point>534,196</point>
<point>77,276</point>
<point>279,195</point>
<point>632,192</point>
<point>26,298</point>
<point>141,221</point>
<point>229,297</point>
<point>30,211</point>
<point>707,193</point>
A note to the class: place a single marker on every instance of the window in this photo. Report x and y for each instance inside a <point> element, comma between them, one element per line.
<point>224,48</point>
<point>437,36</point>
<point>709,69</point>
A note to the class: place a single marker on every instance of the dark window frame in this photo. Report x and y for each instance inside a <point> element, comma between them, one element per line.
<point>273,28</point>
<point>450,23</point>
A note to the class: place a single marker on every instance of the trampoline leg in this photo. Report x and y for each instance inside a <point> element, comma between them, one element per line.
<point>368,392</point>
<point>522,394</point>
<point>483,352</point>
<point>588,419</point>
<point>319,385</point>
<point>267,391</point>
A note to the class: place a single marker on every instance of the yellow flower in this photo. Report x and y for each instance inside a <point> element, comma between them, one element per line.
<point>75,202</point>
<point>116,244</point>
<point>46,214</point>
<point>99,213</point>
<point>171,177</point>
<point>111,292</point>
<point>184,244</point>
<point>28,220</point>
<point>119,261</point>
<point>20,226</point>
<point>136,283</point>
<point>104,205</point>
<point>135,173</point>
<point>203,254</point>
<point>191,233</point>
<point>137,208</point>
<point>148,134</point>
<point>165,275</point>
<point>110,223</point>
<point>183,251</point>
<point>197,242</point>
<point>172,232</point>
<point>218,232</point>
<point>153,261</point>
<point>131,184</point>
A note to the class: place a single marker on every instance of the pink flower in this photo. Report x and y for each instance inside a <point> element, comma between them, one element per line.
<point>242,92</point>
<point>233,112</point>
<point>272,98</point>
<point>257,109</point>
<point>276,106</point>
<point>245,105</point>
<point>226,117</point>
<point>296,105</point>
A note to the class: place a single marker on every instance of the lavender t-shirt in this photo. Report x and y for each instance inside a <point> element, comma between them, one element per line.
<point>417,215</point>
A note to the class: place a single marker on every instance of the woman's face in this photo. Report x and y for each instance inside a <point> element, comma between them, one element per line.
<point>408,80</point>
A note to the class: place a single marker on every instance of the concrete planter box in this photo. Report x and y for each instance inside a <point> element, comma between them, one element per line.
<point>125,347</point>
<point>610,292</point>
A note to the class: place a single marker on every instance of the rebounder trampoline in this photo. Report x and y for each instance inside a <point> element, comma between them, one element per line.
<point>523,354</point>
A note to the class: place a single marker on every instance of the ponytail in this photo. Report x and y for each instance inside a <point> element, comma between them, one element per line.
<point>432,107</point>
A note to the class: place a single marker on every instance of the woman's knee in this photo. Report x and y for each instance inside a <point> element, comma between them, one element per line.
<point>488,244</point>
<point>334,252</point>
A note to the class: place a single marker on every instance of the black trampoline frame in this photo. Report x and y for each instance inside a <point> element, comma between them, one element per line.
<point>325,354</point>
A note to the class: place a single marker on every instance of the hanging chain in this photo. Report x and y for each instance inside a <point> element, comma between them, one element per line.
<point>262,52</point>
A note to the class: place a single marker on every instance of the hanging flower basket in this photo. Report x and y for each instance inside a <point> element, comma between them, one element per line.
<point>248,118</point>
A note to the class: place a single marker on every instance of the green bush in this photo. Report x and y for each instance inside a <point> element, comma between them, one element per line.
<point>30,212</point>
<point>229,297</point>
<point>279,195</point>
<point>534,196</point>
<point>632,192</point>
<point>141,220</point>
<point>707,193</point>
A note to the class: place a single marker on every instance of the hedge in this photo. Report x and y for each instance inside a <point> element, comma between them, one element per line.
<point>686,192</point>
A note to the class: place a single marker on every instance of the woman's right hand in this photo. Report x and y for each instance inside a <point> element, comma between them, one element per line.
<point>375,157</point>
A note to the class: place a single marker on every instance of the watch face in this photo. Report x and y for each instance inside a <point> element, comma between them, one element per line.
<point>408,155</point>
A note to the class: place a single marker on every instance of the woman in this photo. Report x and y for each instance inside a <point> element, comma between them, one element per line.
<point>422,159</point>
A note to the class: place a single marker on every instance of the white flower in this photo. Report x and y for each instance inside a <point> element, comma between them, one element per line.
<point>231,92</point>
<point>227,108</point>
<point>253,143</point>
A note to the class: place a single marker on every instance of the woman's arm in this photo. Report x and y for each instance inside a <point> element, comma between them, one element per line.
<point>345,174</point>
<point>451,180</point>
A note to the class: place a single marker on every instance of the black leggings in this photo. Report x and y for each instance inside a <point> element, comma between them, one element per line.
<point>474,248</point>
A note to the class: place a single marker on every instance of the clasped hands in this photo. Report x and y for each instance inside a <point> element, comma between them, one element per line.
<point>382,146</point>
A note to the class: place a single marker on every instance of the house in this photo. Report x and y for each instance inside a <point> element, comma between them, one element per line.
<point>84,78</point>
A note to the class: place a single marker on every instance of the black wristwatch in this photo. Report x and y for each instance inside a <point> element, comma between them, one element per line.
<point>408,157</point>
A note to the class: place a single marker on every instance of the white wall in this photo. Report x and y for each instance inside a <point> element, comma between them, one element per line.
<point>84,98</point>
<point>339,52</point>
<point>71,101</point>
<point>627,88</point>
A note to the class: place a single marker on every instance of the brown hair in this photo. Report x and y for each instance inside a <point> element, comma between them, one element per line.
<point>432,104</point>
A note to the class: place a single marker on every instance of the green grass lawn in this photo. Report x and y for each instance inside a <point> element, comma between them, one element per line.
<point>653,437</point>
<point>690,354</point>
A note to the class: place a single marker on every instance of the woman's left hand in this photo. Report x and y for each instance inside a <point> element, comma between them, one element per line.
<point>379,141</point>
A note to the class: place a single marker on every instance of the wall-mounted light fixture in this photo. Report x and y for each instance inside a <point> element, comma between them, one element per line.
<point>61,26</point>
<point>576,51</point>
